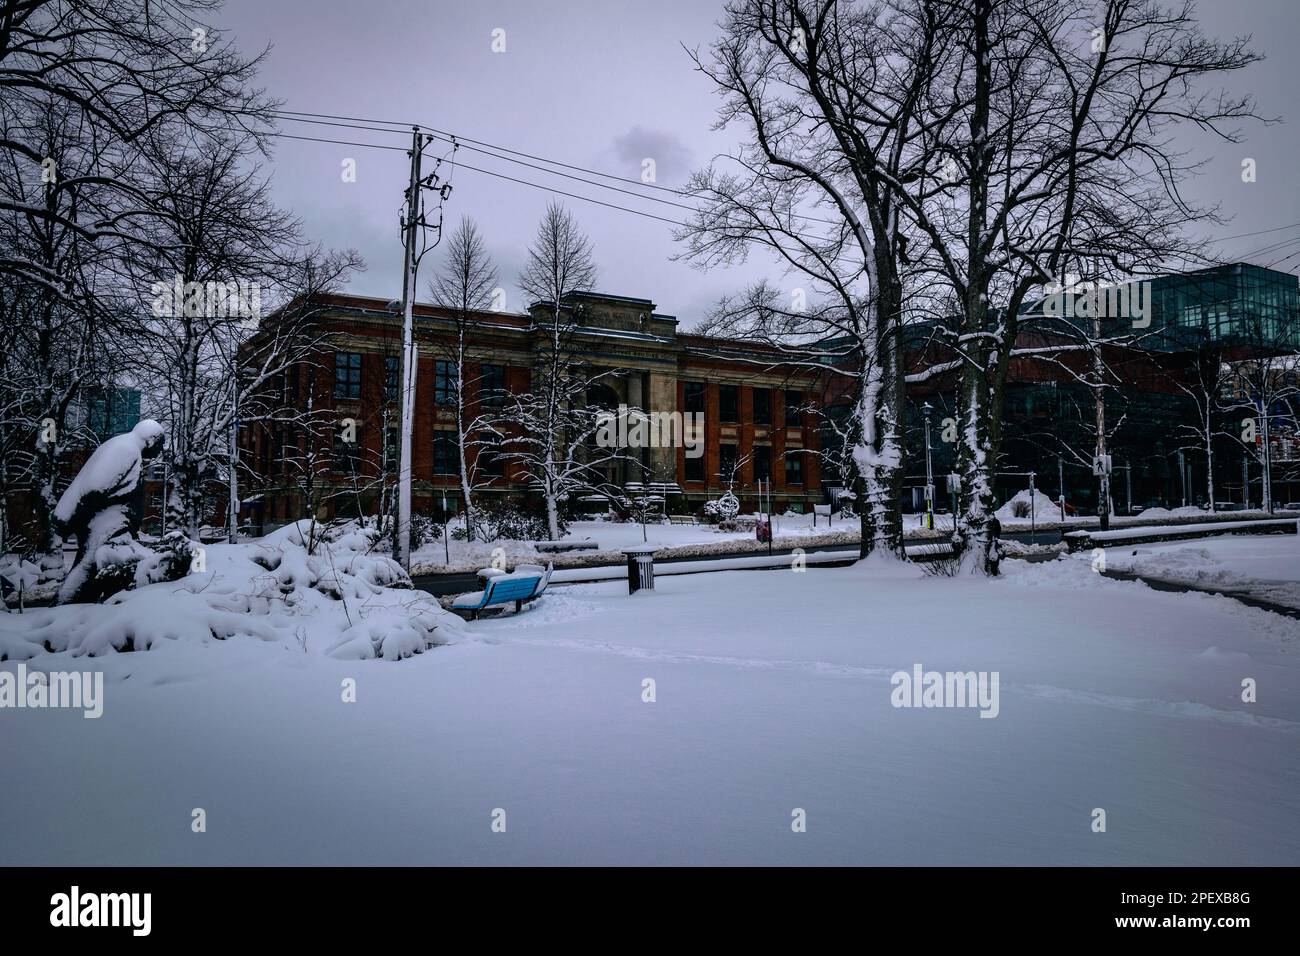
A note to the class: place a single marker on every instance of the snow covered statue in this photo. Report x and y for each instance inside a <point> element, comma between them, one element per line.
<point>96,508</point>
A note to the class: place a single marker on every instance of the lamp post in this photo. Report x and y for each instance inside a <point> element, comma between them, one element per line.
<point>929,473</point>
<point>446,530</point>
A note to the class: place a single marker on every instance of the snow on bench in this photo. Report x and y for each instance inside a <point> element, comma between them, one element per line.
<point>1083,539</point>
<point>551,547</point>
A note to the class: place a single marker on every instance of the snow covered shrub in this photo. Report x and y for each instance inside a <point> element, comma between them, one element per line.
<point>1020,508</point>
<point>343,598</point>
<point>506,520</point>
<point>170,561</point>
<point>424,530</point>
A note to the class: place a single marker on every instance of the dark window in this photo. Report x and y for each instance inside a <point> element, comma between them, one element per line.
<point>695,397</point>
<point>392,448</point>
<point>695,469</point>
<point>347,455</point>
<point>446,458</point>
<point>793,408</point>
<point>728,403</point>
<point>762,406</point>
<point>762,462</point>
<point>444,383</point>
<point>794,468</point>
<point>491,464</point>
<point>347,374</point>
<point>392,369</point>
<point>726,462</point>
<point>492,385</point>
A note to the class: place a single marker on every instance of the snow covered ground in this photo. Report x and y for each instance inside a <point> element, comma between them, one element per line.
<point>1266,566</point>
<point>772,694</point>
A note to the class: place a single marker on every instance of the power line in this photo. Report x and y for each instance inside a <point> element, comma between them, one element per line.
<point>455,141</point>
<point>504,149</point>
<point>354,122</point>
<point>488,172</point>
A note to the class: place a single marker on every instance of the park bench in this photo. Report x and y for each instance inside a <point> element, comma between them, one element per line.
<point>526,583</point>
<point>555,547</point>
<point>681,519</point>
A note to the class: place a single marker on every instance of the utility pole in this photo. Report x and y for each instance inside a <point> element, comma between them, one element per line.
<point>412,223</point>
<point>409,364</point>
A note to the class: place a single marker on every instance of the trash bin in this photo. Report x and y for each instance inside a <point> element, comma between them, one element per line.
<point>640,569</point>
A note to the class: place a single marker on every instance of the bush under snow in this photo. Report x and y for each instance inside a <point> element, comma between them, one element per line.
<point>340,598</point>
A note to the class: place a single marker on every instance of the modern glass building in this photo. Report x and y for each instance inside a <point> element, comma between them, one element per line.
<point>1235,304</point>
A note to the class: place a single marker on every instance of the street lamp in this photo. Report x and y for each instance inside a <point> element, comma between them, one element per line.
<point>929,473</point>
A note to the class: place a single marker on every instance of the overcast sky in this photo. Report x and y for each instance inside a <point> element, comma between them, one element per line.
<point>605,84</point>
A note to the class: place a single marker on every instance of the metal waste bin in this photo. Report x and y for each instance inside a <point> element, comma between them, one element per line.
<point>640,568</point>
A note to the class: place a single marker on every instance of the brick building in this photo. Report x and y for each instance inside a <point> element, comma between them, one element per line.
<point>758,412</point>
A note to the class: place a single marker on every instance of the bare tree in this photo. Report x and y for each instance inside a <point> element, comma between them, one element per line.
<point>1058,117</point>
<point>828,94</point>
<point>464,285</point>
<point>1261,385</point>
<point>218,245</point>
<point>128,69</point>
<point>555,426</point>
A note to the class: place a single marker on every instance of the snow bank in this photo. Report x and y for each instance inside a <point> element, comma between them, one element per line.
<point>341,599</point>
<point>1045,509</point>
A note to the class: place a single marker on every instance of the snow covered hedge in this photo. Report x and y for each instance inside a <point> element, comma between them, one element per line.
<point>330,593</point>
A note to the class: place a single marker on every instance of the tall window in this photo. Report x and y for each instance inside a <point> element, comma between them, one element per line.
<point>695,469</point>
<point>793,408</point>
<point>444,383</point>
<point>694,397</point>
<point>762,462</point>
<point>446,458</point>
<point>492,385</point>
<point>728,403</point>
<point>726,462</point>
<point>347,374</point>
<point>762,406</point>
<point>392,369</point>
<point>794,467</point>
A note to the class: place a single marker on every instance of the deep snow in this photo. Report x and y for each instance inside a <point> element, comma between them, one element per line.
<point>773,693</point>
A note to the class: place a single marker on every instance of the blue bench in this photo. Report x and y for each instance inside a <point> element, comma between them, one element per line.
<point>527,583</point>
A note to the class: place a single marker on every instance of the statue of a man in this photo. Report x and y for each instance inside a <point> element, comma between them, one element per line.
<point>97,509</point>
